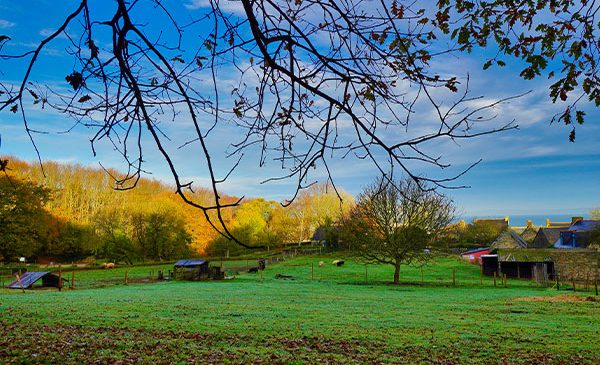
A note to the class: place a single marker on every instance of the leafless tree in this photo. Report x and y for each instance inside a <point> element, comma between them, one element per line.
<point>396,223</point>
<point>317,80</point>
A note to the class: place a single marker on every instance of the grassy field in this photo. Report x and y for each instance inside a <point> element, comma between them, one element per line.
<point>322,315</point>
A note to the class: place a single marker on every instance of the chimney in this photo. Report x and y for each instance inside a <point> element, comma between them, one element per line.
<point>576,219</point>
<point>529,223</point>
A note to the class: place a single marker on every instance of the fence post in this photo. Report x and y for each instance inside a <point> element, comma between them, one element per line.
<point>72,279</point>
<point>454,277</point>
<point>494,279</point>
<point>126,281</point>
<point>480,275</point>
<point>60,278</point>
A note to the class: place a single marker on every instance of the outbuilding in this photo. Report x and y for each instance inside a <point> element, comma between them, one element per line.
<point>196,269</point>
<point>474,256</point>
<point>29,278</point>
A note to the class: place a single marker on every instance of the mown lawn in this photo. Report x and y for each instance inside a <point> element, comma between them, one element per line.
<point>329,315</point>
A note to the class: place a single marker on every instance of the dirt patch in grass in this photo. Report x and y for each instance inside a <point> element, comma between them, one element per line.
<point>560,299</point>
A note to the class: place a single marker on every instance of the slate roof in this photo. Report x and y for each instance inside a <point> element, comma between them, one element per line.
<point>577,235</point>
<point>508,239</point>
<point>584,225</point>
<point>529,234</point>
<point>27,279</point>
<point>546,237</point>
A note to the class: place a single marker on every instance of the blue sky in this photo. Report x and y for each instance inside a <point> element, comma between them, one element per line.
<point>532,170</point>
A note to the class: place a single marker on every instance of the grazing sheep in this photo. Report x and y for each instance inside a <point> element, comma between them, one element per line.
<point>321,263</point>
<point>108,265</point>
<point>338,262</point>
<point>253,270</point>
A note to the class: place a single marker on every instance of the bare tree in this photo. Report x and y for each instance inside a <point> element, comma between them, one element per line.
<point>316,81</point>
<point>396,223</point>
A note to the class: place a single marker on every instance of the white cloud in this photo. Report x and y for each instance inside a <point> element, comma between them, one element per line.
<point>5,24</point>
<point>230,6</point>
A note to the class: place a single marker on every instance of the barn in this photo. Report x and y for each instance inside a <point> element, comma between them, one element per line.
<point>474,256</point>
<point>29,278</point>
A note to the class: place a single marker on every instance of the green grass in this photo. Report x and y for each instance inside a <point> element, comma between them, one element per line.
<point>336,317</point>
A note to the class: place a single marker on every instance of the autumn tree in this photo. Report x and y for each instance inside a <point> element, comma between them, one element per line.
<point>314,81</point>
<point>317,206</point>
<point>482,233</point>
<point>396,223</point>
<point>160,235</point>
<point>23,218</point>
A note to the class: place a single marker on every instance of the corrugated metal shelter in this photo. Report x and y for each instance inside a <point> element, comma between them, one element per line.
<point>31,277</point>
<point>191,263</point>
<point>474,256</point>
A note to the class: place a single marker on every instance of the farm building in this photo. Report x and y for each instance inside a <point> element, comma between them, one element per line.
<point>541,269</point>
<point>29,278</point>
<point>550,224</point>
<point>577,235</point>
<point>529,233</point>
<point>508,239</point>
<point>195,269</point>
<point>474,256</point>
<point>546,237</point>
<point>569,264</point>
<point>500,223</point>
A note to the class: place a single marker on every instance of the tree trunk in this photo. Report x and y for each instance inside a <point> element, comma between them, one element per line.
<point>397,272</point>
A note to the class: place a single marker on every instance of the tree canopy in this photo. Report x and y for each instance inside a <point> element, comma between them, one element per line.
<point>396,223</point>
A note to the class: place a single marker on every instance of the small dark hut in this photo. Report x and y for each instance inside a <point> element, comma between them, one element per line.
<point>196,269</point>
<point>29,278</point>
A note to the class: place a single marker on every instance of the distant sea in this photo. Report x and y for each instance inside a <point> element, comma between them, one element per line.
<point>520,220</point>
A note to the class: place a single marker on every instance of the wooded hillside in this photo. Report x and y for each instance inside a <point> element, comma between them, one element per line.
<point>71,211</point>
